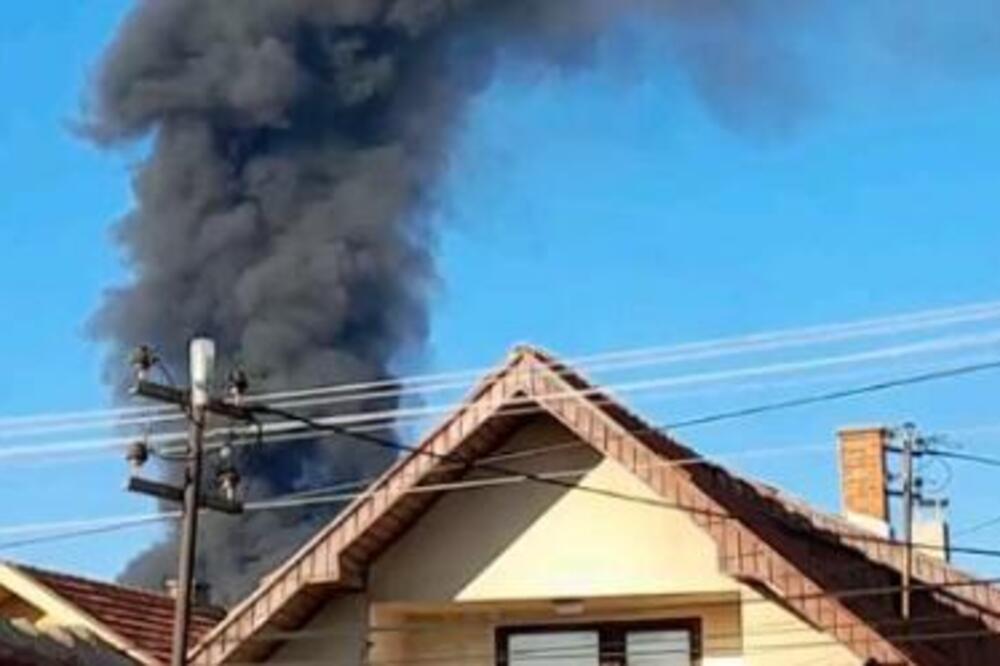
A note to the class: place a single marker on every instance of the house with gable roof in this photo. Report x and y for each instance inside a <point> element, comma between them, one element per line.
<point>602,542</point>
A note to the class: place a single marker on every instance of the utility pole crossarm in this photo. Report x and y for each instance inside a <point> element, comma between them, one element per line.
<point>165,491</point>
<point>182,398</point>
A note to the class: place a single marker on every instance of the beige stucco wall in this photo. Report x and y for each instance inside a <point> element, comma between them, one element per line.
<point>532,541</point>
<point>499,556</point>
<point>773,636</point>
<point>466,635</point>
<point>337,634</point>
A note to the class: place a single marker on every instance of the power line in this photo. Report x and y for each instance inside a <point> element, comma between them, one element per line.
<point>824,397</point>
<point>315,425</point>
<point>893,324</point>
<point>100,447</point>
<point>931,345</point>
<point>80,532</point>
<point>518,477</point>
<point>530,408</point>
<point>967,457</point>
<point>452,458</point>
<point>978,527</point>
<point>838,395</point>
<point>80,446</point>
<point>980,429</point>
<point>510,479</point>
<point>78,528</point>
<point>879,326</point>
<point>978,459</point>
<point>313,497</point>
<point>335,428</point>
<point>87,523</point>
<point>712,418</point>
<point>323,495</point>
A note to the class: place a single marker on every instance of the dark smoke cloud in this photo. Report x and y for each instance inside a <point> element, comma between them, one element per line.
<point>295,144</point>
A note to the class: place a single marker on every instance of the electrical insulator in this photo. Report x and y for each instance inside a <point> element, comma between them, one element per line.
<point>229,481</point>
<point>143,359</point>
<point>239,383</point>
<point>226,475</point>
<point>137,454</point>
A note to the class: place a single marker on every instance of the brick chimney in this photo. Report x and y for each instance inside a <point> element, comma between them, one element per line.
<point>863,477</point>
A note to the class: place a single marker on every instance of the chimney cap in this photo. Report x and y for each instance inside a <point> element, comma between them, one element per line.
<point>864,428</point>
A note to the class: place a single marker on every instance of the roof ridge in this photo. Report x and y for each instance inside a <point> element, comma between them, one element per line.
<point>841,527</point>
<point>88,579</point>
<point>32,569</point>
<point>845,530</point>
<point>838,528</point>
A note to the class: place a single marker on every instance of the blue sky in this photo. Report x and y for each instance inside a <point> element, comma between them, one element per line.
<point>582,212</point>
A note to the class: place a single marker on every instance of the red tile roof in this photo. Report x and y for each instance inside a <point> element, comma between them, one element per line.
<point>145,618</point>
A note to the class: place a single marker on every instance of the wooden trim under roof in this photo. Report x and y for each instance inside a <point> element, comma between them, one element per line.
<point>794,552</point>
<point>24,644</point>
<point>135,622</point>
<point>40,595</point>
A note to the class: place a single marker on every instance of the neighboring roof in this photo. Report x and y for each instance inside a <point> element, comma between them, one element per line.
<point>23,644</point>
<point>137,622</point>
<point>815,564</point>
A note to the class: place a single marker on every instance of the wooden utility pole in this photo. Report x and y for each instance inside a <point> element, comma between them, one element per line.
<point>198,403</point>
<point>909,440</point>
<point>202,361</point>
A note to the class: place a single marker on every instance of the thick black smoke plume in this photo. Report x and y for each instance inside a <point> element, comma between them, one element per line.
<point>295,144</point>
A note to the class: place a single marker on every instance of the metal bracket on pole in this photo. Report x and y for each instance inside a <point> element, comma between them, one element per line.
<point>155,489</point>
<point>182,398</point>
<point>164,491</point>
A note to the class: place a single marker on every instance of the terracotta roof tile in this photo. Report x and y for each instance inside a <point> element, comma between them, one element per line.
<point>143,617</point>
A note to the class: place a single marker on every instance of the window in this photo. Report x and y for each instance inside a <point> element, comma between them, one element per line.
<point>667,643</point>
<point>541,648</point>
<point>658,648</point>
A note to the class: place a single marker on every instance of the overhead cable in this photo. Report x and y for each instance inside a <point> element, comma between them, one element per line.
<point>806,335</point>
